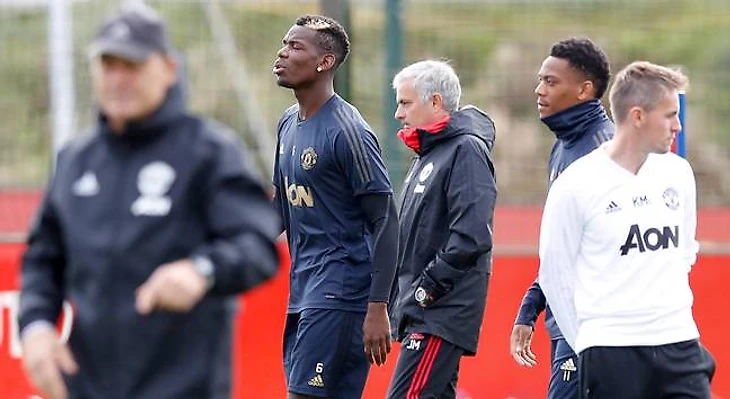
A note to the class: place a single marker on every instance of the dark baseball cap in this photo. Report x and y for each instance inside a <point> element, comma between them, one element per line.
<point>133,34</point>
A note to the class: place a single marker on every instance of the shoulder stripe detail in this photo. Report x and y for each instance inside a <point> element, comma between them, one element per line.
<point>606,134</point>
<point>601,137</point>
<point>597,140</point>
<point>357,146</point>
<point>291,111</point>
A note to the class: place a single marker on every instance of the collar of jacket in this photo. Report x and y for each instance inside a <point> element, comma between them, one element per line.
<point>467,120</point>
<point>172,108</point>
<point>570,124</point>
<point>412,136</point>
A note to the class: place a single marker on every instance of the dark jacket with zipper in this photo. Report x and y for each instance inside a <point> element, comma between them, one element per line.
<point>446,213</point>
<point>172,186</point>
<point>579,130</point>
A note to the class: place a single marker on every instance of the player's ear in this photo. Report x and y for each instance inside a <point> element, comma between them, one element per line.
<point>171,69</point>
<point>327,63</point>
<point>586,91</point>
<point>437,100</point>
<point>637,116</point>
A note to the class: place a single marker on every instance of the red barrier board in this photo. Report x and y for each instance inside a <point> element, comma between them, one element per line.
<point>491,374</point>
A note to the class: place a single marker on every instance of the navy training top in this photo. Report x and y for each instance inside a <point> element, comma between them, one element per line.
<point>322,165</point>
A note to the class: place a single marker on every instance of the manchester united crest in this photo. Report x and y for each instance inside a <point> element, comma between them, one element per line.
<point>671,198</point>
<point>309,158</point>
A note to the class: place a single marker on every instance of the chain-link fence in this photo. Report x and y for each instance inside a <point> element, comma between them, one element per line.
<point>496,47</point>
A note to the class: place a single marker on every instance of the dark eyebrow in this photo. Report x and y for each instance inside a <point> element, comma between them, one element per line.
<point>294,41</point>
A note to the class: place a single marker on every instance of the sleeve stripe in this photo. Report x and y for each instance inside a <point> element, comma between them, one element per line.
<point>357,146</point>
<point>598,139</point>
<point>606,135</point>
<point>601,137</point>
<point>346,128</point>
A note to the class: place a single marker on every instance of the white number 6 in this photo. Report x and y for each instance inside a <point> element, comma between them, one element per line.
<point>319,368</point>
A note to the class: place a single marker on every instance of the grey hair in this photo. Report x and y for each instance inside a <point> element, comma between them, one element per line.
<point>431,77</point>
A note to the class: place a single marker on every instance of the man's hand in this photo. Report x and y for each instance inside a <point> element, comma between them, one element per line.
<point>173,287</point>
<point>45,358</point>
<point>376,333</point>
<point>520,342</point>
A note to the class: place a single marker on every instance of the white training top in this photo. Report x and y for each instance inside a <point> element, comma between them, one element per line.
<point>616,250</point>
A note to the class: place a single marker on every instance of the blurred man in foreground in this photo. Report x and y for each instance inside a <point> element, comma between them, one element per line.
<point>148,224</point>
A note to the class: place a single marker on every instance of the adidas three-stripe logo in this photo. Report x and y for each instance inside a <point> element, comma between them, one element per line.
<point>317,381</point>
<point>568,368</point>
<point>612,207</point>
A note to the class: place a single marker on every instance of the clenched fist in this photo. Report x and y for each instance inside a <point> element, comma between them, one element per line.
<point>173,287</point>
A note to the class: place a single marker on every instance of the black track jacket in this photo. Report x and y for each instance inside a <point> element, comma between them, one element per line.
<point>172,186</point>
<point>447,207</point>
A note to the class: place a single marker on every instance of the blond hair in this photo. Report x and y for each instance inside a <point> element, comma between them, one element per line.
<point>643,84</point>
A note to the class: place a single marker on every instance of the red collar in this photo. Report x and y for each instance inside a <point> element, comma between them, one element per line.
<point>409,135</point>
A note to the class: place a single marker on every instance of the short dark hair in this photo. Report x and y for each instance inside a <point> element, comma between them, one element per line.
<point>330,34</point>
<point>586,57</point>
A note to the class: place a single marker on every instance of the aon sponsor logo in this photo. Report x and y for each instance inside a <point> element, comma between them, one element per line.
<point>299,195</point>
<point>650,239</point>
